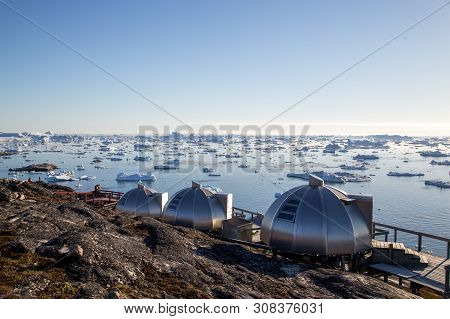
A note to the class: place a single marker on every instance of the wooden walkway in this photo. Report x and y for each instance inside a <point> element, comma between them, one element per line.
<point>428,270</point>
<point>433,276</point>
<point>435,273</point>
<point>102,197</point>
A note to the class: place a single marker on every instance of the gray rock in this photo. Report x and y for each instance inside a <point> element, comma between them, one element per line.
<point>44,167</point>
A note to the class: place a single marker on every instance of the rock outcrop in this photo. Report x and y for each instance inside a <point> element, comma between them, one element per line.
<point>61,248</point>
<point>44,167</point>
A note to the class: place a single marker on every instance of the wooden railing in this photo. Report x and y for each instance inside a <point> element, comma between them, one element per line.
<point>91,197</point>
<point>246,214</point>
<point>382,229</point>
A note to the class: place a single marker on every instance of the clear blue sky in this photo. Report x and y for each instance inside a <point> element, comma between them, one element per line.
<point>213,62</point>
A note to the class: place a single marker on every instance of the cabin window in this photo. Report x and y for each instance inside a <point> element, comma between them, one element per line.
<point>288,211</point>
<point>293,202</point>
<point>174,203</point>
<point>289,208</point>
<point>286,216</point>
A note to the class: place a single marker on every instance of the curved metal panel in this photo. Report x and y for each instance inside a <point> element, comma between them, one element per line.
<point>197,208</point>
<point>311,239</point>
<point>142,201</point>
<point>202,212</point>
<point>340,229</point>
<point>268,221</point>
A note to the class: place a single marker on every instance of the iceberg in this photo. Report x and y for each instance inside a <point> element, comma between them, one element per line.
<point>353,167</point>
<point>397,174</point>
<point>165,167</point>
<point>87,178</point>
<point>61,177</point>
<point>338,177</point>
<point>353,178</point>
<point>446,162</point>
<point>122,177</point>
<point>327,177</point>
<point>142,158</point>
<point>433,154</point>
<point>214,174</point>
<point>361,157</point>
<point>437,183</point>
<point>331,148</point>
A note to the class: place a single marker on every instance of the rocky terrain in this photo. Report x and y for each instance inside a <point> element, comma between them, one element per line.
<point>44,167</point>
<point>56,247</point>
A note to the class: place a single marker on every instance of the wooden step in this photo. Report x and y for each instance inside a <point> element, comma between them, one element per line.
<point>386,244</point>
<point>423,259</point>
<point>400,252</point>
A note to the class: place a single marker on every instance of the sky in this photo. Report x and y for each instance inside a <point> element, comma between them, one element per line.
<point>211,62</point>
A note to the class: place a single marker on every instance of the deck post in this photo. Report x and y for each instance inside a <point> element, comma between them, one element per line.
<point>447,281</point>
<point>413,288</point>
<point>400,281</point>
<point>386,236</point>
<point>386,277</point>
<point>343,263</point>
<point>419,243</point>
<point>448,250</point>
<point>391,253</point>
<point>354,260</point>
<point>395,235</point>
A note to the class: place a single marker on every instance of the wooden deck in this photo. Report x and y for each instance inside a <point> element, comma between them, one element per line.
<point>432,276</point>
<point>435,273</point>
<point>102,197</point>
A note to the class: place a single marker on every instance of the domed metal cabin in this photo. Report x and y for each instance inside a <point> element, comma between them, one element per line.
<point>143,201</point>
<point>198,207</point>
<point>319,220</point>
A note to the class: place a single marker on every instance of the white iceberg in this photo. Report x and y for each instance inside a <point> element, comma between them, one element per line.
<point>61,177</point>
<point>327,177</point>
<point>123,177</point>
<point>87,178</point>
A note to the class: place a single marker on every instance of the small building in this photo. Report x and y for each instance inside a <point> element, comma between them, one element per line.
<point>241,229</point>
<point>143,201</point>
<point>319,219</point>
<point>198,207</point>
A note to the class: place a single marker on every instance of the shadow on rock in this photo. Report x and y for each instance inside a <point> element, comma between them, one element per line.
<point>233,254</point>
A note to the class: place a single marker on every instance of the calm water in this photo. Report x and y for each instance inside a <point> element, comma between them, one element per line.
<point>401,201</point>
